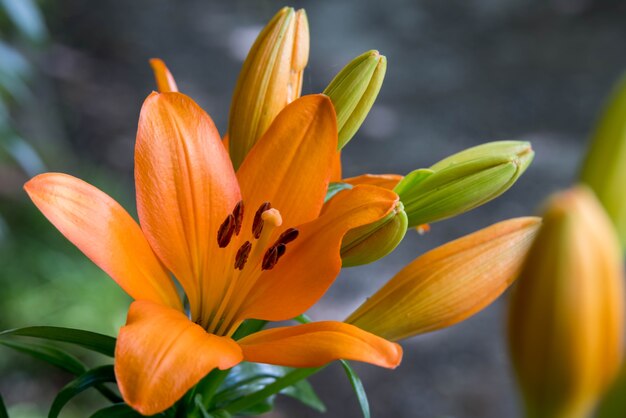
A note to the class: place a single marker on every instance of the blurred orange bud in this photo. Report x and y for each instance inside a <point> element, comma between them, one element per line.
<point>270,79</point>
<point>566,315</point>
<point>450,283</point>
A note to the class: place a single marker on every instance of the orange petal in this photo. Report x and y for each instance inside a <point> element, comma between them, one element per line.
<point>318,343</point>
<point>388,181</point>
<point>186,187</point>
<point>164,79</point>
<point>313,260</point>
<point>290,165</point>
<point>106,233</point>
<point>335,174</point>
<point>160,354</point>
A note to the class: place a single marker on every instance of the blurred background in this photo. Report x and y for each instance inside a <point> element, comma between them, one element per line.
<point>73,75</point>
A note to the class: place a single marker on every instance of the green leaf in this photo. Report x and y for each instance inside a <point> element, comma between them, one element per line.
<point>254,386</point>
<point>249,326</point>
<point>3,409</point>
<point>613,404</point>
<point>26,16</point>
<point>91,378</point>
<point>119,411</point>
<point>99,343</point>
<point>334,188</point>
<point>359,390</point>
<point>49,354</point>
<point>304,392</point>
<point>59,358</point>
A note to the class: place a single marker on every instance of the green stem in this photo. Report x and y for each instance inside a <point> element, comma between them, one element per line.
<point>280,384</point>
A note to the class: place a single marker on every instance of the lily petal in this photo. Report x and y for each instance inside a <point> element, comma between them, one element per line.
<point>186,186</point>
<point>164,79</point>
<point>312,261</point>
<point>336,170</point>
<point>105,233</point>
<point>318,343</point>
<point>290,165</point>
<point>160,354</point>
<point>388,181</point>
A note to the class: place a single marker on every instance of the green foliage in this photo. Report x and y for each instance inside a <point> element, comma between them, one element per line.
<point>99,343</point>
<point>89,379</point>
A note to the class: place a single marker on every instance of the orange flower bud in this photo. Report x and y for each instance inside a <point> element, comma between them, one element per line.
<point>566,315</point>
<point>270,79</point>
<point>450,283</point>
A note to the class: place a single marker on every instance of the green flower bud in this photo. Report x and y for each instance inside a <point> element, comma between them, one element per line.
<point>369,243</point>
<point>463,181</point>
<point>604,169</point>
<point>354,90</point>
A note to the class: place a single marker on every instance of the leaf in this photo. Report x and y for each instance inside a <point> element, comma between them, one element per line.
<point>119,411</point>
<point>260,383</point>
<point>26,16</point>
<point>359,390</point>
<point>249,326</point>
<point>49,354</point>
<point>304,392</point>
<point>91,378</point>
<point>99,343</point>
<point>58,358</point>
<point>334,188</point>
<point>3,409</point>
<point>614,402</point>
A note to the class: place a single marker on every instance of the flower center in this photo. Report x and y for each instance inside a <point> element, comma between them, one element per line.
<point>253,256</point>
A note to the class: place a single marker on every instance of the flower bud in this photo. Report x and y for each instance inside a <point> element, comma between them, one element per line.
<point>463,181</point>
<point>450,283</point>
<point>604,169</point>
<point>566,315</point>
<point>369,243</point>
<point>271,78</point>
<point>354,90</point>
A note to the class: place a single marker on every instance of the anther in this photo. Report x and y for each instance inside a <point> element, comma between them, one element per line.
<point>270,258</point>
<point>280,249</point>
<point>289,235</point>
<point>238,214</point>
<point>225,233</point>
<point>257,223</point>
<point>242,255</point>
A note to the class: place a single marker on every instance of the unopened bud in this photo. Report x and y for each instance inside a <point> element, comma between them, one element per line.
<point>270,79</point>
<point>463,181</point>
<point>604,169</point>
<point>354,90</point>
<point>369,243</point>
<point>566,315</point>
<point>450,283</point>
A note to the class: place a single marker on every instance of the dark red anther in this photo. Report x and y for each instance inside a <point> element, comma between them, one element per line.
<point>257,223</point>
<point>280,248</point>
<point>225,233</point>
<point>270,258</point>
<point>289,235</point>
<point>242,255</point>
<point>238,214</point>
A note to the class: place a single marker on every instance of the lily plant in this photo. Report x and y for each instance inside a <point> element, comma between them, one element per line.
<point>239,232</point>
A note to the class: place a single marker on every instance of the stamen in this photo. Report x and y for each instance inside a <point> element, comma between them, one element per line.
<point>281,248</point>
<point>289,235</point>
<point>238,214</point>
<point>225,233</point>
<point>257,223</point>
<point>242,255</point>
<point>270,258</point>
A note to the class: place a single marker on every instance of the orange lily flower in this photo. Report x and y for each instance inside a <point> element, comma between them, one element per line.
<point>250,244</point>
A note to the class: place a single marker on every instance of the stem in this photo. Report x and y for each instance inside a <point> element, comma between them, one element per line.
<point>280,384</point>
